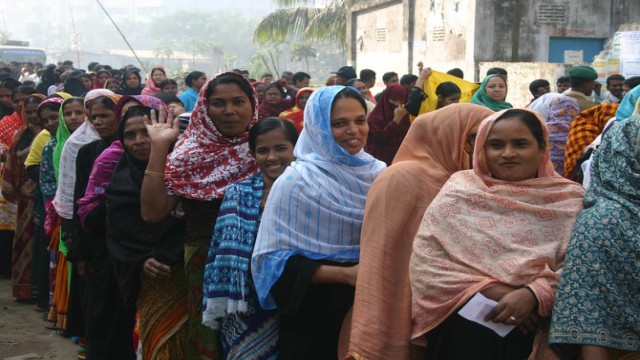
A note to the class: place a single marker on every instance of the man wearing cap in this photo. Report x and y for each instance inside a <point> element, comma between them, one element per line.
<point>582,85</point>
<point>344,74</point>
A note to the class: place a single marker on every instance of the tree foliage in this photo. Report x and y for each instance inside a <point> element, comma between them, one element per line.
<point>295,19</point>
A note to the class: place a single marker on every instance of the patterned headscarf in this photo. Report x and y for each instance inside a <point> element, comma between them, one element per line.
<point>205,162</point>
<point>85,134</point>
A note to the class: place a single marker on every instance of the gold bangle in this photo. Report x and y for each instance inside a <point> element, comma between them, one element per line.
<point>154,174</point>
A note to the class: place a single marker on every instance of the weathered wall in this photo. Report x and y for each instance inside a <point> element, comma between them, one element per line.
<point>498,26</point>
<point>446,30</point>
<point>523,73</point>
<point>380,42</point>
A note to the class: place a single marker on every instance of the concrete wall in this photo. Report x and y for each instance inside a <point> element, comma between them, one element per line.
<point>523,73</point>
<point>509,30</point>
<point>368,47</point>
<point>446,29</point>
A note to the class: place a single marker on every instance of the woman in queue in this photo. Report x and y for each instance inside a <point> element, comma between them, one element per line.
<point>500,230</point>
<point>305,258</point>
<point>231,303</point>
<point>211,155</point>
<point>395,205</point>
<point>492,93</point>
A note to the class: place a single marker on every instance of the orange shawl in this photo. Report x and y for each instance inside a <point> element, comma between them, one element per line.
<point>296,113</point>
<point>480,231</point>
<point>584,129</point>
<point>397,200</point>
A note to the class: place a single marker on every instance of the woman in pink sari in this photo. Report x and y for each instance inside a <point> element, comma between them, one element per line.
<point>500,230</point>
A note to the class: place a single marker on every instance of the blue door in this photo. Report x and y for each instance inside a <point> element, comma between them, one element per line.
<point>590,47</point>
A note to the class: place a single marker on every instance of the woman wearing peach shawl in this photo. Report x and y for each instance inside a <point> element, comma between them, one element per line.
<point>381,326</point>
<point>480,234</point>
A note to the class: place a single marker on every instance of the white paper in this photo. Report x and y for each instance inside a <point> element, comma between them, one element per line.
<point>477,308</point>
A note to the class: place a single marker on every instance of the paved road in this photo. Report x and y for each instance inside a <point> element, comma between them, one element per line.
<point>22,332</point>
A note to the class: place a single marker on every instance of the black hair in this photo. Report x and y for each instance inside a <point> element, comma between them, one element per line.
<point>388,75</point>
<point>9,83</point>
<point>92,66</point>
<point>536,84</point>
<point>166,82</point>
<point>447,89</point>
<point>285,73</point>
<point>300,76</point>
<point>616,77</point>
<point>577,82</point>
<point>530,120</point>
<point>23,89</point>
<point>232,78</point>
<point>51,106</point>
<point>632,82</point>
<point>131,112</point>
<point>408,79</point>
<point>104,101</point>
<point>277,86</point>
<point>73,100</point>
<point>266,74</point>
<point>563,79</point>
<point>348,92</point>
<point>456,72</point>
<point>350,82</point>
<point>497,71</point>
<point>30,83</point>
<point>269,124</point>
<point>167,98</point>
<point>194,75</point>
<point>32,100</point>
<point>367,74</point>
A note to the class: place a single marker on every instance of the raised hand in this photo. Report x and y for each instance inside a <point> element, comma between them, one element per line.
<point>163,128</point>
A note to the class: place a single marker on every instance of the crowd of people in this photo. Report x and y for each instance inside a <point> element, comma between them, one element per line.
<point>266,218</point>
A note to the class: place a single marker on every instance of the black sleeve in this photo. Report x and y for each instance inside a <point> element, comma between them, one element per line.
<point>84,164</point>
<point>290,289</point>
<point>33,172</point>
<point>416,97</point>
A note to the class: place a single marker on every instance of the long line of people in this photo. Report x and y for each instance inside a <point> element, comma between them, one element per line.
<point>305,226</point>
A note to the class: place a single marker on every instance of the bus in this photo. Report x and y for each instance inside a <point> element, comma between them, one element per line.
<point>22,54</point>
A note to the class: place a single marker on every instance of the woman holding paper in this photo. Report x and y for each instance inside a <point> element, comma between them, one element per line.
<point>501,230</point>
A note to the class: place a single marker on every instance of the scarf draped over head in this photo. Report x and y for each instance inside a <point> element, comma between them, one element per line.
<point>62,134</point>
<point>96,84</point>
<point>130,239</point>
<point>124,89</point>
<point>35,154</point>
<point>106,162</point>
<point>85,134</point>
<point>481,97</point>
<point>558,111</point>
<point>385,136</point>
<point>296,113</point>
<point>395,205</point>
<point>480,231</point>
<point>11,124</point>
<point>205,162</point>
<point>150,88</point>
<point>598,294</point>
<point>316,206</point>
<point>585,128</point>
<point>628,104</point>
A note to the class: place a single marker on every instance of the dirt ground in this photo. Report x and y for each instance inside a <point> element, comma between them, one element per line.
<point>22,332</point>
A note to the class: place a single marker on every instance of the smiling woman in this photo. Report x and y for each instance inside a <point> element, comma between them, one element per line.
<point>484,233</point>
<point>305,257</point>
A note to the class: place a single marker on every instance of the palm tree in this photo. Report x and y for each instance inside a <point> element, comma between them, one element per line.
<point>296,20</point>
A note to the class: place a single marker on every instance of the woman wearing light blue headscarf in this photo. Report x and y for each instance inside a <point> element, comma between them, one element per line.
<point>309,237</point>
<point>597,302</point>
<point>628,104</point>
